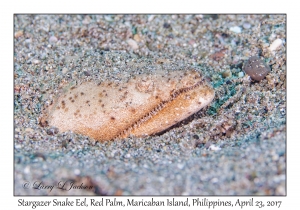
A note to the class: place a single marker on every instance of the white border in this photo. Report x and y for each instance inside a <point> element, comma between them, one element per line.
<point>152,6</point>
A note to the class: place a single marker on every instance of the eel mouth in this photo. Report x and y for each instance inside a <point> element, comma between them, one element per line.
<point>169,102</point>
<point>174,94</point>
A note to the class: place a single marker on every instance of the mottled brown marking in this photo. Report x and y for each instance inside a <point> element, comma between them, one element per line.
<point>122,97</point>
<point>152,112</point>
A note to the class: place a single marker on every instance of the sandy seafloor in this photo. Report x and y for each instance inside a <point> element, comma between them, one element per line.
<point>236,146</point>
